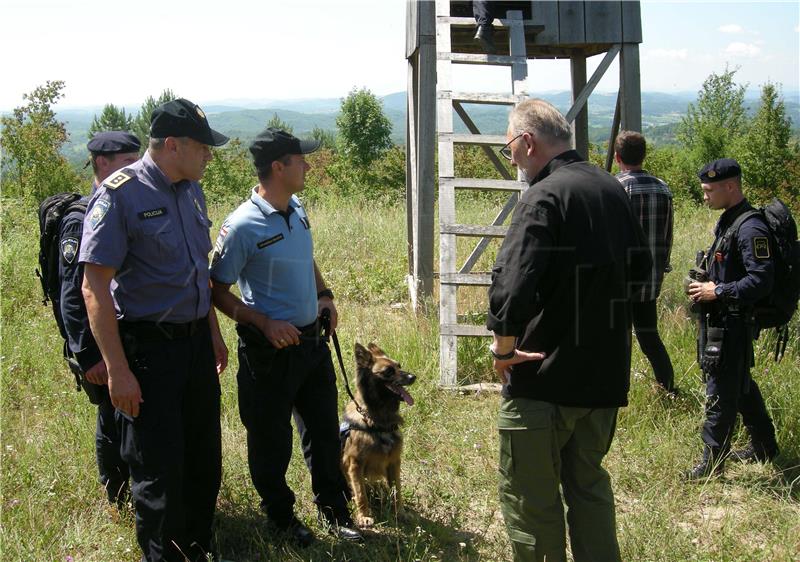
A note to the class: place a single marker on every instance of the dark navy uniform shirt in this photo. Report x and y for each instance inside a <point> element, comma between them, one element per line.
<point>745,273</point>
<point>155,234</point>
<point>73,310</point>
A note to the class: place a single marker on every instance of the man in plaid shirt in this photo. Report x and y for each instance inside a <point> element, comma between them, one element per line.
<point>651,201</point>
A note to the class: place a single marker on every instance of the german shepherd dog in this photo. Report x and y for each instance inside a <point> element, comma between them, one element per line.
<point>371,440</point>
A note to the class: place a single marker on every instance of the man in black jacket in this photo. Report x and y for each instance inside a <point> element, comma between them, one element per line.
<point>560,312</point>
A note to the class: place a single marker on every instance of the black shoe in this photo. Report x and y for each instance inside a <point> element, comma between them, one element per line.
<point>705,469</point>
<point>755,453</point>
<point>485,36</point>
<point>295,531</point>
<point>341,526</point>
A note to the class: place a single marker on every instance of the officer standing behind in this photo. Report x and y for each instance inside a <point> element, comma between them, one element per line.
<point>560,312</point>
<point>146,245</point>
<point>651,200</point>
<point>740,272</point>
<point>265,245</point>
<point>110,151</point>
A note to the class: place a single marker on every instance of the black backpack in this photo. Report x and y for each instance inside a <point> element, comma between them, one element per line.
<point>777,309</point>
<point>51,211</point>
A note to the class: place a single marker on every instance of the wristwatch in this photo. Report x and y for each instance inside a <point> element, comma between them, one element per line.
<point>325,293</point>
<point>502,356</point>
<point>718,292</point>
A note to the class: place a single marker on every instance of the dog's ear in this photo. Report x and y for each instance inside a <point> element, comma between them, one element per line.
<point>363,357</point>
<point>376,351</point>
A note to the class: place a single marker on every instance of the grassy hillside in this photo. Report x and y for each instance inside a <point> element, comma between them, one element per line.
<point>53,508</point>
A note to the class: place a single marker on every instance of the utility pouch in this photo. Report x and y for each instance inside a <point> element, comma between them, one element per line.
<point>712,353</point>
<point>93,391</point>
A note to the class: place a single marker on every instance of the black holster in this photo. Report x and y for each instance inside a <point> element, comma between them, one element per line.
<point>711,360</point>
<point>93,391</point>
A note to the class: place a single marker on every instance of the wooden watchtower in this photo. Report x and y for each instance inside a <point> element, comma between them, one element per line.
<point>440,34</point>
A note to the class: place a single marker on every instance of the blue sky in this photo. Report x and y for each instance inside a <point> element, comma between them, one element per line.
<point>288,49</point>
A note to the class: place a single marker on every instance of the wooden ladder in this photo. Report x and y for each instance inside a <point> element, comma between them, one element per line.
<point>450,275</point>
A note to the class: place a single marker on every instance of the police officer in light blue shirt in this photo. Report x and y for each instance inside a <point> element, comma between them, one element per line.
<point>146,286</point>
<point>284,365</point>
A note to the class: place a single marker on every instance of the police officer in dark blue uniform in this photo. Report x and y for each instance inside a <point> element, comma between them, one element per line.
<point>146,286</point>
<point>739,266</point>
<point>110,151</point>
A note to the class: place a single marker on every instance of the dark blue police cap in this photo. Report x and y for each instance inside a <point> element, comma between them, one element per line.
<point>113,142</point>
<point>719,170</point>
<point>182,118</point>
<point>271,143</point>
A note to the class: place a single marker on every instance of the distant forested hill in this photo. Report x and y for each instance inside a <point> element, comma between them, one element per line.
<point>244,119</point>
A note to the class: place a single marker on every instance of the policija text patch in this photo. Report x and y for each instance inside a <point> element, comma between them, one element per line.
<point>761,247</point>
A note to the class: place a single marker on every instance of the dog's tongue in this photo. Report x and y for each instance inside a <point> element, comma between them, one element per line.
<point>397,389</point>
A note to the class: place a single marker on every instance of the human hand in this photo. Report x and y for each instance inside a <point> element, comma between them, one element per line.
<point>97,373</point>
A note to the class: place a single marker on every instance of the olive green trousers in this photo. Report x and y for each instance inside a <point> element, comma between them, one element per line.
<point>544,446</point>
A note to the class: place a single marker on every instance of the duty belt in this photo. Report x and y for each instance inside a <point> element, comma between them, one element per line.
<point>162,331</point>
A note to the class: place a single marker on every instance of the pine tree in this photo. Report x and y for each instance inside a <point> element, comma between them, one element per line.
<point>141,124</point>
<point>112,118</point>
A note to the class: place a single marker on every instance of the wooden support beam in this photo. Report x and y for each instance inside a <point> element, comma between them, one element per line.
<point>580,119</point>
<point>614,132</point>
<point>587,90</point>
<point>630,86</point>
<point>472,230</point>
<point>480,279</point>
<point>485,184</point>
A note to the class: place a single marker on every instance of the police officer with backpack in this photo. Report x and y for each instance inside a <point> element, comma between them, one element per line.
<point>740,272</point>
<point>110,151</point>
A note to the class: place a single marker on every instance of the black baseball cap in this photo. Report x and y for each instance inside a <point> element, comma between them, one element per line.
<point>182,118</point>
<point>272,143</point>
<point>719,170</point>
<point>113,142</point>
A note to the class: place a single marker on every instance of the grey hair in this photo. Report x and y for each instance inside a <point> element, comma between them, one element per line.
<point>541,118</point>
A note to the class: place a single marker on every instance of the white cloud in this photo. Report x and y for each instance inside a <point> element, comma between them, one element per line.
<point>730,28</point>
<point>669,54</point>
<point>743,49</point>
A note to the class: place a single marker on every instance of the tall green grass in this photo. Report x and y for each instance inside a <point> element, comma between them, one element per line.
<point>53,508</point>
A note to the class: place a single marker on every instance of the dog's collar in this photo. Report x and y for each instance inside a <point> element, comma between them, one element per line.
<point>371,428</point>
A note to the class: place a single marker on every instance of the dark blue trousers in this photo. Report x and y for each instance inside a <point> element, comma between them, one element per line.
<point>173,448</point>
<point>274,385</point>
<point>731,391</point>
<point>113,470</point>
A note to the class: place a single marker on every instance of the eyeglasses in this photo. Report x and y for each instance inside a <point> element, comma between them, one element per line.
<point>505,152</point>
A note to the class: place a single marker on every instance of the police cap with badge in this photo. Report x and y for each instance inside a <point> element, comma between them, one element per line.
<point>182,118</point>
<point>272,143</point>
<point>718,170</point>
<point>113,142</point>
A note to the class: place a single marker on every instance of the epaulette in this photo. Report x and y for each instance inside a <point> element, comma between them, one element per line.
<point>115,181</point>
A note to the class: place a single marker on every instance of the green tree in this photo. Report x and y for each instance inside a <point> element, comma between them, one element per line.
<point>326,138</point>
<point>278,123</point>
<point>710,128</point>
<point>112,118</point>
<point>141,123</point>
<point>364,130</point>
<point>230,175</point>
<point>764,151</point>
<point>32,138</point>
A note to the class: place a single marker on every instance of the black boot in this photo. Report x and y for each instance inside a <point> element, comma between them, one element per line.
<point>294,530</point>
<point>712,464</point>
<point>756,452</point>
<point>339,524</point>
<point>485,36</point>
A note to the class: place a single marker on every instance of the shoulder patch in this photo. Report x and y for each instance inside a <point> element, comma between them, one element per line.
<point>116,180</point>
<point>69,249</point>
<point>99,210</point>
<point>761,247</point>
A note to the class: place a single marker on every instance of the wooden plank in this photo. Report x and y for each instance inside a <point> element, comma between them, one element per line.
<point>453,329</point>
<point>614,132</point>
<point>631,22</point>
<point>484,183</point>
<point>531,26</point>
<point>471,230</point>
<point>412,27</point>
<point>479,140</point>
<point>571,23</point>
<point>493,99</point>
<point>603,21</point>
<point>476,253</point>
<point>580,100</point>
<point>519,70</point>
<point>493,387</point>
<point>579,120</point>
<point>479,279</point>
<point>631,118</point>
<point>546,14</point>
<point>426,163</point>
<point>469,58</point>
<point>412,185</point>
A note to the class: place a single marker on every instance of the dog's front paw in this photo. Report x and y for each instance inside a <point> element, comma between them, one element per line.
<point>363,521</point>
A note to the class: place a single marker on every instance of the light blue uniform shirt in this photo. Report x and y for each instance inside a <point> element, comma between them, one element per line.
<point>155,235</point>
<point>271,257</point>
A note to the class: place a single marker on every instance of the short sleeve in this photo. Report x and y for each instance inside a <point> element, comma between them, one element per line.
<point>231,254</point>
<point>105,237</point>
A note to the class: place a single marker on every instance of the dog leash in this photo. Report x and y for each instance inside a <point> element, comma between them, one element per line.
<point>325,321</point>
